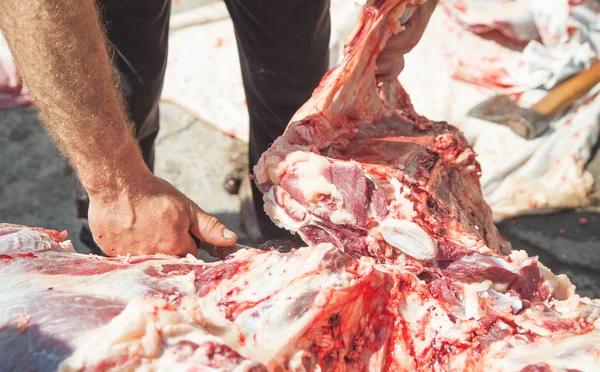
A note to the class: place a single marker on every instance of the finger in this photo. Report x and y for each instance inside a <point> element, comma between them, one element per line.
<point>388,77</point>
<point>185,244</point>
<point>402,43</point>
<point>389,68</point>
<point>208,229</point>
<point>384,64</point>
<point>397,68</point>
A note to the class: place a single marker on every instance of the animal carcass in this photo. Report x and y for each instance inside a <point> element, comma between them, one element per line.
<point>405,270</point>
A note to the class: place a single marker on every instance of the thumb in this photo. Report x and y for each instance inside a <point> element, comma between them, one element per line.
<point>208,229</point>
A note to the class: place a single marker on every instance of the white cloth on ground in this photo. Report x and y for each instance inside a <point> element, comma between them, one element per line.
<point>519,176</point>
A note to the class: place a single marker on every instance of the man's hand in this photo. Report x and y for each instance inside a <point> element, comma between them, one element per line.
<point>154,218</point>
<point>59,48</point>
<point>391,60</point>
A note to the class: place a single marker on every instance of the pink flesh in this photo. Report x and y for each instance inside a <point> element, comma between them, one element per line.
<point>372,137</point>
<point>352,305</point>
<point>320,303</point>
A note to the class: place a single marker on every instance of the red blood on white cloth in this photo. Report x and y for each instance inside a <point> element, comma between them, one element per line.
<point>12,92</point>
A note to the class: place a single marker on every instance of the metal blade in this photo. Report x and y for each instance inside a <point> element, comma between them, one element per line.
<point>496,109</point>
<point>503,110</point>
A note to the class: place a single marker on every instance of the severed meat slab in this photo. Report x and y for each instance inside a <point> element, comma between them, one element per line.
<point>358,168</point>
<point>404,271</point>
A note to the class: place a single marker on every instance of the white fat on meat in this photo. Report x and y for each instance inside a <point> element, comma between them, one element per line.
<point>401,206</point>
<point>573,353</point>
<point>409,238</point>
<point>503,301</point>
<point>300,311</point>
<point>280,216</point>
<point>308,169</point>
<point>268,307</point>
<point>152,336</point>
<point>266,327</point>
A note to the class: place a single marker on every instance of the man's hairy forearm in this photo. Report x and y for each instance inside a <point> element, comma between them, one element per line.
<point>59,49</point>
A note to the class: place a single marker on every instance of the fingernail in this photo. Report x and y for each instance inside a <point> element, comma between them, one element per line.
<point>228,234</point>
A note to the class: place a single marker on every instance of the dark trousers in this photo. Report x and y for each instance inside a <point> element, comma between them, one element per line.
<point>283,50</point>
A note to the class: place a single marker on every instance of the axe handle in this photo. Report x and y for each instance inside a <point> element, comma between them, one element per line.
<point>562,96</point>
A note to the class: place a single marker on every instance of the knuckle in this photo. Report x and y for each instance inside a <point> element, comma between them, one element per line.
<point>397,43</point>
<point>181,218</point>
<point>397,70</point>
<point>396,48</point>
<point>174,212</point>
<point>410,43</point>
<point>169,242</point>
<point>168,207</point>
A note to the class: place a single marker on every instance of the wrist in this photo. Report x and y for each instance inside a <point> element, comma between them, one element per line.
<point>124,171</point>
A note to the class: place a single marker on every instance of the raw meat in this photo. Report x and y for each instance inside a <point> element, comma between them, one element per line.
<point>518,176</point>
<point>276,309</point>
<point>405,271</point>
<point>307,309</point>
<point>358,168</point>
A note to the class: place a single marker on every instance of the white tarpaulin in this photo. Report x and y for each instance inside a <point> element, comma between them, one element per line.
<point>472,49</point>
<point>462,69</point>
